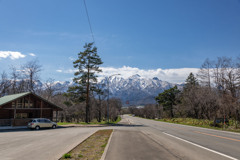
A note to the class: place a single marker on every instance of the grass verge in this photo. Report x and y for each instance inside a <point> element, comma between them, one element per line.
<point>204,123</point>
<point>94,122</point>
<point>90,149</point>
<point>201,123</point>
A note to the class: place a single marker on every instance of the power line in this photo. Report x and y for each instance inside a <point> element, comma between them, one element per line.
<point>90,26</point>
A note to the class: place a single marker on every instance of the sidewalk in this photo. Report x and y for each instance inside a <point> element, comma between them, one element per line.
<point>11,128</point>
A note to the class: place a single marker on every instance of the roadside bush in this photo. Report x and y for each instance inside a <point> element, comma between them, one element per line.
<point>67,155</point>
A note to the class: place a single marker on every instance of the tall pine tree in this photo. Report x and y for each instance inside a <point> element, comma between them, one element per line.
<point>168,99</point>
<point>191,82</point>
<point>87,66</point>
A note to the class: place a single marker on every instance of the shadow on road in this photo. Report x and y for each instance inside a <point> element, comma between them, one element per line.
<point>62,127</point>
<point>27,130</point>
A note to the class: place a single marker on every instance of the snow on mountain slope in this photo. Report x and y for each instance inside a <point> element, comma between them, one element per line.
<point>136,90</point>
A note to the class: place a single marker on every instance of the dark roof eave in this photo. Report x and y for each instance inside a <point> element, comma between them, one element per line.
<point>55,108</point>
<point>27,93</point>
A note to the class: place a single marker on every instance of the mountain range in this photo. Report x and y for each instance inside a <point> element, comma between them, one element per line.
<point>137,90</point>
<point>134,90</point>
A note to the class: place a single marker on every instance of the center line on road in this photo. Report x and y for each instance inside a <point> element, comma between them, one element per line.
<point>237,140</point>
<point>224,155</point>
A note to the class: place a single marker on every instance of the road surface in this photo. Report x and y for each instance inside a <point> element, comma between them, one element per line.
<point>46,144</point>
<point>148,139</point>
<point>134,139</point>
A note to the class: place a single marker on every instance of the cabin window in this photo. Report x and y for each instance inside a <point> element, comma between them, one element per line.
<point>28,104</point>
<point>13,104</point>
<point>21,115</point>
<point>23,103</point>
<point>19,103</point>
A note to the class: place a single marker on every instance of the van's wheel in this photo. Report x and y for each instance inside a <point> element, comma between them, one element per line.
<point>54,126</point>
<point>37,127</point>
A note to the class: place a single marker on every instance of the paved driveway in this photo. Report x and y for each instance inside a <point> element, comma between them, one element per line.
<point>47,144</point>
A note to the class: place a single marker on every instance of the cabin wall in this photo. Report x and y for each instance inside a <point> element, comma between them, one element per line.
<point>5,114</point>
<point>25,111</point>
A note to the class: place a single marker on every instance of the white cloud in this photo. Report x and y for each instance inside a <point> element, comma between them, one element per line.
<point>32,54</point>
<point>68,71</point>
<point>11,54</point>
<point>59,70</point>
<point>71,58</point>
<point>178,75</point>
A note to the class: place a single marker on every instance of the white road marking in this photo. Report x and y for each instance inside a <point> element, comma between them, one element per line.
<point>224,155</point>
<point>184,125</point>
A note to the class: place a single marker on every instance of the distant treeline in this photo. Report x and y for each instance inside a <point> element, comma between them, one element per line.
<point>213,93</point>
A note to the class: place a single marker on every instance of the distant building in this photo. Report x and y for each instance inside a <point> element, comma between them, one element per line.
<point>18,109</point>
<point>139,107</point>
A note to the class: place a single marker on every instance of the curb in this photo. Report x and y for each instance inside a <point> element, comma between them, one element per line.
<point>106,148</point>
<point>77,145</point>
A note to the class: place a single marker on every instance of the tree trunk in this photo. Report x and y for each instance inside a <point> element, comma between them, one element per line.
<point>87,98</point>
<point>236,119</point>
<point>99,115</point>
<point>172,115</point>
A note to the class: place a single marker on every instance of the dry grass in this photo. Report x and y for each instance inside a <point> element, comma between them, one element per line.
<point>92,148</point>
<point>203,123</point>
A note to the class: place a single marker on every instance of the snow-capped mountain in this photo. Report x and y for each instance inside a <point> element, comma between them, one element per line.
<point>136,90</point>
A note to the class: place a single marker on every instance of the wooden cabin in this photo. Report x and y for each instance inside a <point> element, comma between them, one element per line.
<point>19,109</point>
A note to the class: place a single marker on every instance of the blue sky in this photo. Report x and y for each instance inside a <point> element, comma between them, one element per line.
<point>143,35</point>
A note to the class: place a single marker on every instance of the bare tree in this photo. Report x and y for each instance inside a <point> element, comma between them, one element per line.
<point>31,73</point>
<point>101,95</point>
<point>51,89</point>
<point>14,80</point>
<point>4,84</point>
<point>204,73</point>
<point>115,105</point>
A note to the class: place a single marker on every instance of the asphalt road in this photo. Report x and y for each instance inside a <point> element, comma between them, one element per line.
<point>133,139</point>
<point>46,144</point>
<point>147,139</point>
